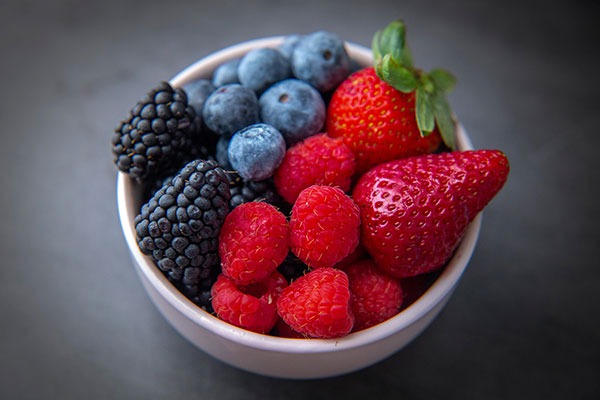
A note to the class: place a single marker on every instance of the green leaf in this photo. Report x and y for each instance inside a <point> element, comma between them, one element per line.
<point>443,80</point>
<point>396,75</point>
<point>406,57</point>
<point>392,39</point>
<point>444,119</point>
<point>424,111</point>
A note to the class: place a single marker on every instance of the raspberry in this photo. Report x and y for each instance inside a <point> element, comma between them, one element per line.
<point>375,297</point>
<point>284,330</point>
<point>318,304</point>
<point>324,226</point>
<point>358,254</point>
<point>318,160</point>
<point>251,307</point>
<point>253,242</point>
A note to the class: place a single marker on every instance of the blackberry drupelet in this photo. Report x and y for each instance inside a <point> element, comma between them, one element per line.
<point>153,136</point>
<point>194,152</point>
<point>292,268</point>
<point>179,227</point>
<point>246,191</point>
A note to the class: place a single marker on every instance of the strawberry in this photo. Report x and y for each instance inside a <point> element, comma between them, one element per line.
<point>415,210</point>
<point>392,109</point>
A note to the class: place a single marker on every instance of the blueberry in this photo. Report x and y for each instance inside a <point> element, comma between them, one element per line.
<point>260,68</point>
<point>321,59</point>
<point>230,108</point>
<point>293,107</point>
<point>287,46</point>
<point>256,151</point>
<point>226,73</point>
<point>221,152</point>
<point>197,92</point>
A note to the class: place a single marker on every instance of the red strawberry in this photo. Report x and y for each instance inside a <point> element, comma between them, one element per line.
<point>414,211</point>
<point>376,121</point>
<point>392,110</point>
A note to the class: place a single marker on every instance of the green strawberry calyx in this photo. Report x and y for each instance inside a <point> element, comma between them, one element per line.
<point>393,63</point>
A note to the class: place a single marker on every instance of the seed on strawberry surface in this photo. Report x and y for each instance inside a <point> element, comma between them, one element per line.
<point>376,121</point>
<point>415,210</point>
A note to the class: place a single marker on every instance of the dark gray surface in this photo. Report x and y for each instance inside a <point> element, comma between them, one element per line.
<point>76,323</point>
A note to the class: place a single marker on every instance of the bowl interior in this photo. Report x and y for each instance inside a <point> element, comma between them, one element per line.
<point>129,200</point>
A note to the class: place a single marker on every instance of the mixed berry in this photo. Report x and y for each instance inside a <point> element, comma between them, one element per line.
<point>297,195</point>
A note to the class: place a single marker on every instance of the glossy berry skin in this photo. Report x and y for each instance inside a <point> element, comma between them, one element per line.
<point>252,307</point>
<point>230,108</point>
<point>318,160</point>
<point>320,59</point>
<point>376,121</point>
<point>376,297</point>
<point>253,242</point>
<point>262,67</point>
<point>415,210</point>
<point>295,108</point>
<point>226,73</point>
<point>324,226</point>
<point>256,151</point>
<point>317,304</point>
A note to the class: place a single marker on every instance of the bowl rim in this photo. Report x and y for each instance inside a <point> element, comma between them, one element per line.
<point>437,292</point>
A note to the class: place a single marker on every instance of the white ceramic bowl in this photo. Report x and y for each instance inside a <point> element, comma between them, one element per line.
<point>274,356</point>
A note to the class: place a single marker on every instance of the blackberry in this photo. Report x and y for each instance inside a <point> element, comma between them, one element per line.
<point>247,191</point>
<point>156,131</point>
<point>164,176</point>
<point>179,227</point>
<point>292,268</point>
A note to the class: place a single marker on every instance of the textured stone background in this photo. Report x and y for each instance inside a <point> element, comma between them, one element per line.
<point>75,321</point>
